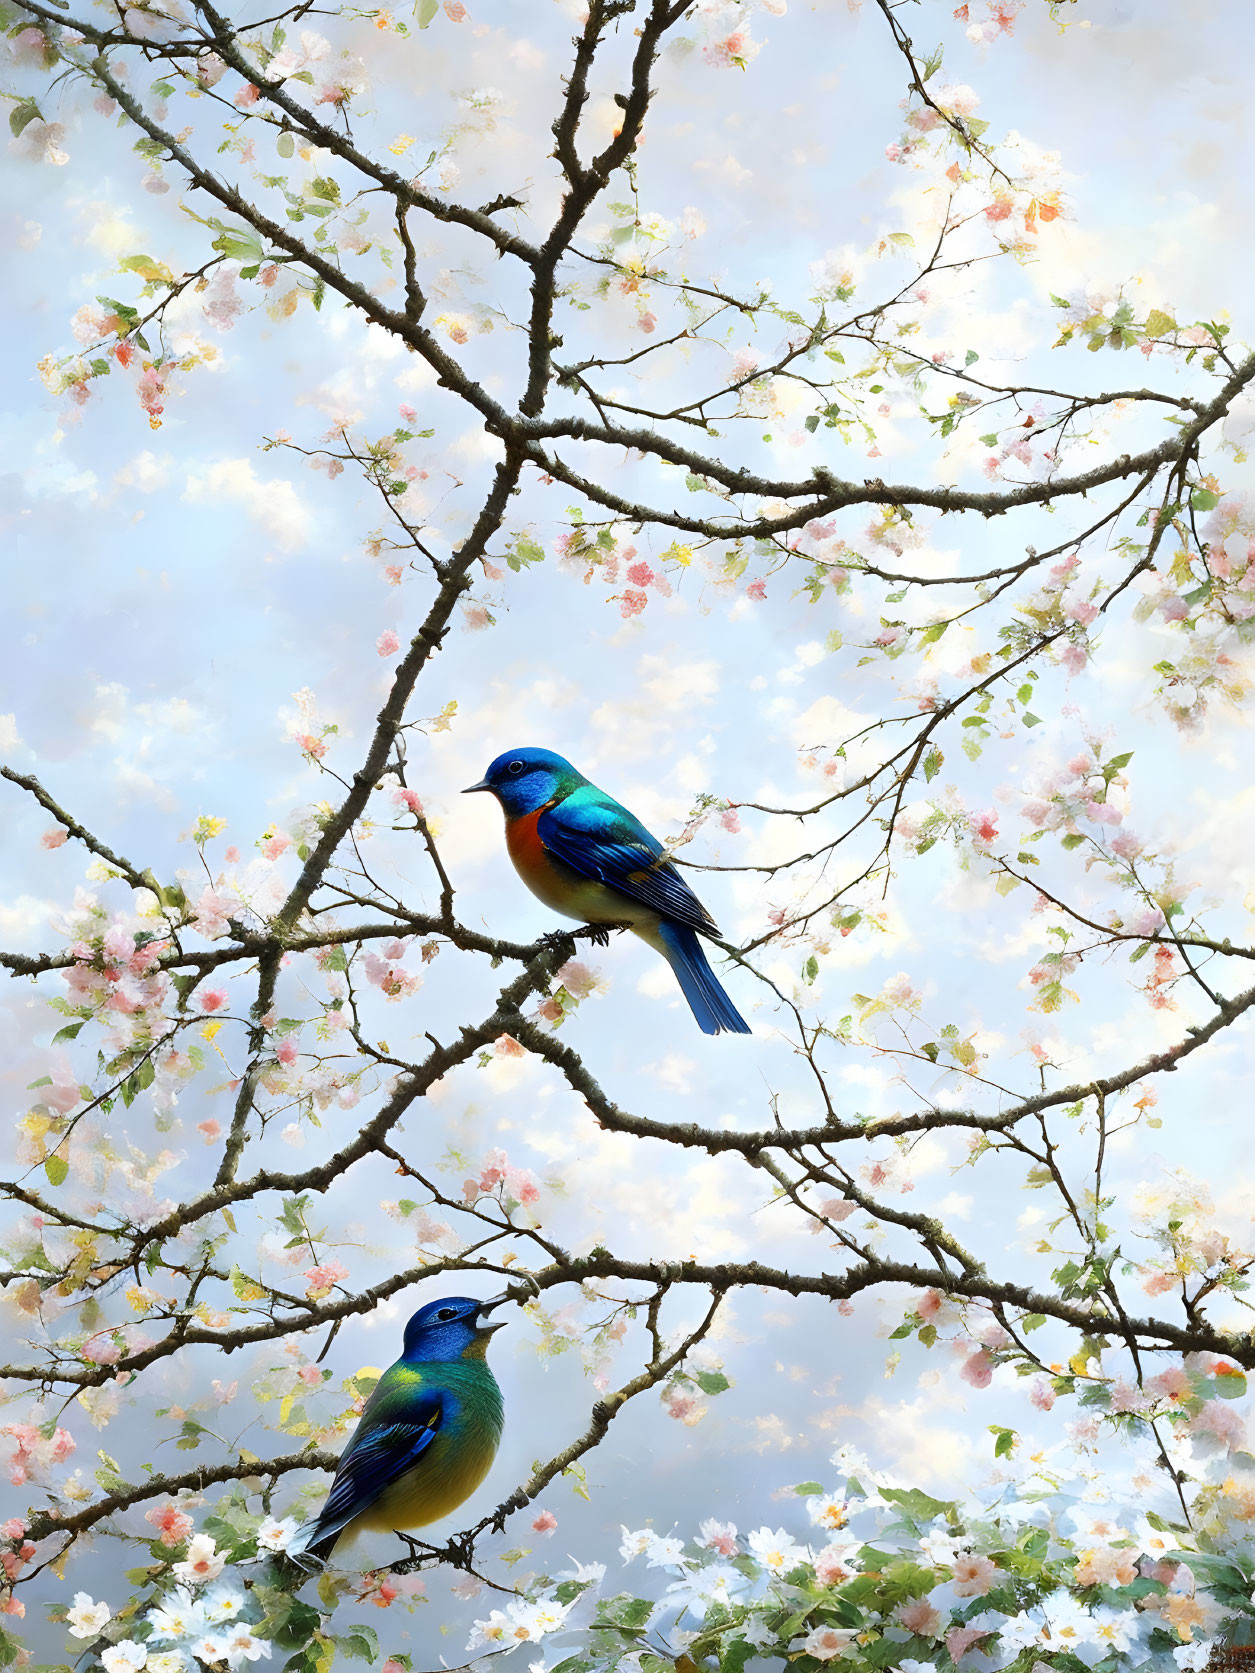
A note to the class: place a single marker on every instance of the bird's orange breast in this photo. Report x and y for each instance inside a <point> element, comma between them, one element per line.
<point>528,852</point>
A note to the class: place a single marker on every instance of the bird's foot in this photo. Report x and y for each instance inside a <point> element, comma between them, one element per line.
<point>599,934</point>
<point>557,938</point>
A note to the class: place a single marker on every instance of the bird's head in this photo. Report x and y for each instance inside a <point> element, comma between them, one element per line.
<point>456,1328</point>
<point>524,779</point>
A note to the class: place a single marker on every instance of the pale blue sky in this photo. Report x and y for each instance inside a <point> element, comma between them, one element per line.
<point>168,591</point>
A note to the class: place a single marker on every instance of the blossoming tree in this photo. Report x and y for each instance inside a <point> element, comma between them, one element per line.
<point>273,1094</point>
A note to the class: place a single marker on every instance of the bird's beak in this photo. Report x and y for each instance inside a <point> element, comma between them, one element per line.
<point>472,788</point>
<point>486,1329</point>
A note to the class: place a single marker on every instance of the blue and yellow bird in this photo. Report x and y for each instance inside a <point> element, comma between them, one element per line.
<point>428,1433</point>
<point>583,854</point>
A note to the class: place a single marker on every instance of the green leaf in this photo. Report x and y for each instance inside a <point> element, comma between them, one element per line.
<point>1030,719</point>
<point>711,1382</point>
<point>810,970</point>
<point>22,115</point>
<point>1073,840</point>
<point>57,1169</point>
<point>1203,499</point>
<point>285,145</point>
<point>932,764</point>
<point>237,243</point>
<point>69,1032</point>
<point>425,10</point>
<point>361,1644</point>
<point>971,357</point>
<point>918,1505</point>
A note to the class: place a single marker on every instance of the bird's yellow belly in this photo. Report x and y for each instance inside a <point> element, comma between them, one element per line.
<point>435,1488</point>
<point>563,890</point>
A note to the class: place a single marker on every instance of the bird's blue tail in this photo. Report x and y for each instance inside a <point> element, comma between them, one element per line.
<point>715,1012</point>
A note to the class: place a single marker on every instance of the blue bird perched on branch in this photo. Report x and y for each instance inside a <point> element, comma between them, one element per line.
<point>586,856</point>
<point>426,1437</point>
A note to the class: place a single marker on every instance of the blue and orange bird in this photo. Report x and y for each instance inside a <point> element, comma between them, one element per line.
<point>586,856</point>
<point>427,1435</point>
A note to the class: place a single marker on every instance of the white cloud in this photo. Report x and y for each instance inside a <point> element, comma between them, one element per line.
<point>274,503</point>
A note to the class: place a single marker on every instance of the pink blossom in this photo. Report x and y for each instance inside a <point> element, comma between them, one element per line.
<point>632,602</point>
<point>455,10</point>
<point>101,1350</point>
<point>1145,922</point>
<point>832,1565</point>
<point>63,1094</point>
<point>322,1279</point>
<point>54,837</point>
<point>1080,610</point>
<point>173,1524</point>
<point>973,1576</point>
<point>212,1130</point>
<point>213,999</point>
<point>1102,813</point>
<point>640,574</point>
<point>213,912</point>
<point>920,1616</point>
<point>1219,1420</point>
<point>1041,1394</point>
<point>718,1536</point>
<point>286,1051</point>
<point>977,1370</point>
<point>388,643</point>
<point>836,1208</point>
<point>545,1523</point>
<point>1074,658</point>
<point>14,1528</point>
<point>1173,1384</point>
<point>757,590</point>
<point>1157,1282</point>
<point>983,825</point>
<point>959,1640</point>
<point>275,845</point>
<point>647,322</point>
<point>246,96</point>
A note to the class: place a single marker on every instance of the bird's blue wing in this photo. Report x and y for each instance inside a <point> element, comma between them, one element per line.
<point>598,837</point>
<point>374,1460</point>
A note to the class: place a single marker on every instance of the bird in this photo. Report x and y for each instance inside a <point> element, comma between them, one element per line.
<point>586,856</point>
<point>427,1435</point>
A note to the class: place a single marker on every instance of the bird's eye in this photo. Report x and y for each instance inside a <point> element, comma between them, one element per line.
<point>447,1313</point>
<point>515,767</point>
